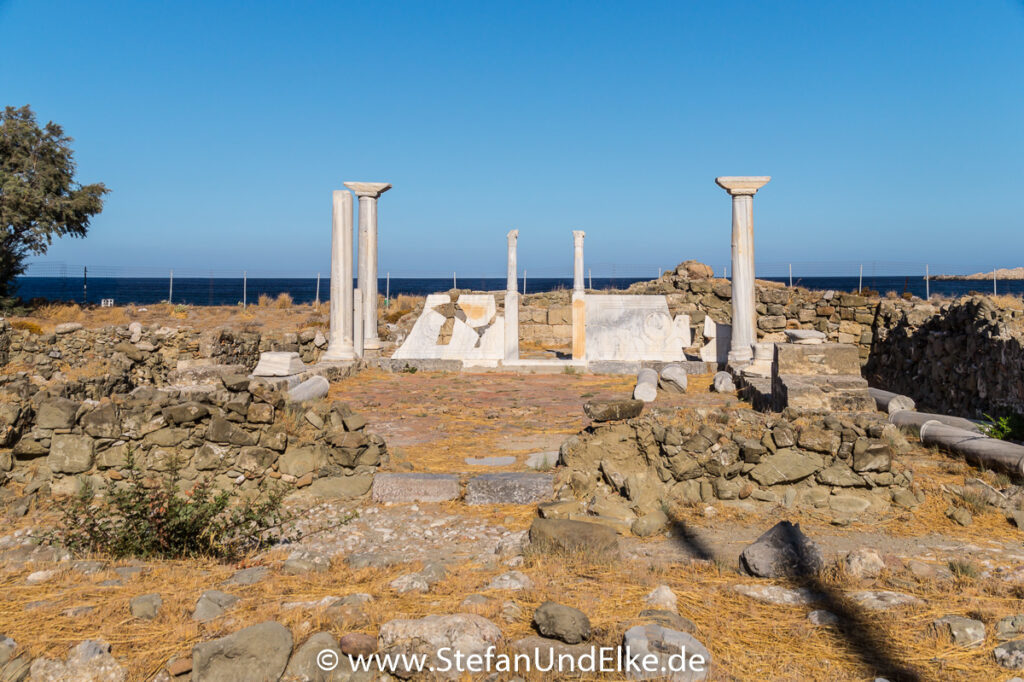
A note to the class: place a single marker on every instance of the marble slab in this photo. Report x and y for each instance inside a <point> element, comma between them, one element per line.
<point>626,327</point>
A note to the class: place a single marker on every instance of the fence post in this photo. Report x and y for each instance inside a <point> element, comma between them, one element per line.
<point>244,289</point>
<point>524,281</point>
<point>790,274</point>
<point>860,282</point>
<point>85,284</point>
<point>455,284</point>
<point>170,287</point>
<point>590,277</point>
<point>318,288</point>
<point>993,282</point>
<point>387,291</point>
<point>927,284</point>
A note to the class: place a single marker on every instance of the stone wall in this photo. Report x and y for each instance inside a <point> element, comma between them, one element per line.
<point>148,355</point>
<point>963,357</point>
<point>624,471</point>
<point>241,434</point>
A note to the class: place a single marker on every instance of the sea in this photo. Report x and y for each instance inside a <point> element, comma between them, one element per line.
<point>230,291</point>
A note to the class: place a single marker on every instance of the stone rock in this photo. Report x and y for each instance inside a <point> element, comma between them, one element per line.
<point>786,466</point>
<point>513,580</point>
<point>248,576</point>
<point>1010,655</point>
<point>609,410</point>
<point>146,606</point>
<point>90,660</point>
<point>723,383</point>
<point>403,488</point>
<point>221,430</point>
<point>662,597</point>
<point>299,460</point>
<point>58,413</point>
<point>258,652</point>
<point>509,488</point>
<point>70,454</point>
<point>102,422</point>
<point>212,604</point>
<point>650,523</point>
<point>876,457</point>
<point>491,461</point>
<point>848,504</point>
<point>543,460</point>
<point>822,617</point>
<point>883,600</point>
<point>465,633</point>
<point>304,664</point>
<point>7,648</point>
<point>303,562</point>
<point>357,644</point>
<point>678,652</point>
<point>1010,627</point>
<point>965,632</point>
<point>819,440</point>
<point>864,563</point>
<point>340,487</point>
<point>185,413</point>
<point>774,594</point>
<point>582,538</point>
<point>960,516</point>
<point>805,336</point>
<point>668,619</point>
<point>546,652</point>
<point>67,327</point>
<point>782,551</point>
<point>840,475</point>
<point>562,622</point>
<point>278,364</point>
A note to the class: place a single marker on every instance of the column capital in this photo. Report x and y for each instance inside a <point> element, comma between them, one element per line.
<point>512,235</point>
<point>739,185</point>
<point>368,189</point>
<point>578,234</point>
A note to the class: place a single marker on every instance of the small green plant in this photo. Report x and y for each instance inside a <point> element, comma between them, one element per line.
<point>963,569</point>
<point>974,501</point>
<point>568,369</point>
<point>1006,427</point>
<point>409,369</point>
<point>136,520</point>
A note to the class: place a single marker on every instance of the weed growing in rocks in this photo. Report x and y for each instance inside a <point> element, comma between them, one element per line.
<point>136,520</point>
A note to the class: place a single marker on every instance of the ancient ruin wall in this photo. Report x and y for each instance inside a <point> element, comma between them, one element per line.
<point>241,434</point>
<point>963,357</point>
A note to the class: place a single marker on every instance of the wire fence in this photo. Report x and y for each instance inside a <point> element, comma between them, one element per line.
<point>116,285</point>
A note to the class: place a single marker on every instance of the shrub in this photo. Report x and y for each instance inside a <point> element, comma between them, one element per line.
<point>263,301</point>
<point>30,327</point>
<point>133,520</point>
<point>283,300</point>
<point>1006,427</point>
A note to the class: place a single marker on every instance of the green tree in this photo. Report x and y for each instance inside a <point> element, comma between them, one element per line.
<point>39,197</point>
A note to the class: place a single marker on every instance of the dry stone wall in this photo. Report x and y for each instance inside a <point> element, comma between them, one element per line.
<point>241,435</point>
<point>963,357</point>
<point>625,471</point>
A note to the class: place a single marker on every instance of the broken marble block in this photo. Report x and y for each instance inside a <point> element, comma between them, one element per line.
<point>278,364</point>
<point>805,336</point>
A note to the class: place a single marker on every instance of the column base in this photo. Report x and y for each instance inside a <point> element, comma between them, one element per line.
<point>372,344</point>
<point>346,353</point>
<point>741,357</point>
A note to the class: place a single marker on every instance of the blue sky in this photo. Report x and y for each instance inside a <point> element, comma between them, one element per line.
<point>894,131</point>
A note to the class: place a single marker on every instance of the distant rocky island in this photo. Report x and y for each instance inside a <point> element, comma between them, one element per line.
<point>1000,273</point>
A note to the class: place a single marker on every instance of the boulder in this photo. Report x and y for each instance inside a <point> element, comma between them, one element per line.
<point>672,379</point>
<point>1010,627</point>
<point>90,660</point>
<point>513,580</point>
<point>819,440</point>
<point>883,600</point>
<point>57,413</point>
<point>102,422</point>
<point>675,656</point>
<point>723,383</point>
<point>319,651</point>
<point>146,606</point>
<point>776,594</point>
<point>312,388</point>
<point>185,413</point>
<point>965,632</point>
<point>212,604</point>
<point>562,622</point>
<point>465,633</point>
<point>864,563</point>
<point>782,551</point>
<point>875,457</point>
<point>610,410</point>
<point>662,597</point>
<point>221,430</point>
<point>1010,655</point>
<point>258,652</point>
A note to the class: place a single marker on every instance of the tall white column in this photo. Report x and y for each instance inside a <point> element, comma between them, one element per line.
<point>368,193</point>
<point>339,345</point>
<point>742,190</point>
<point>512,301</point>
<point>577,260</point>
<point>357,323</point>
<point>579,310</point>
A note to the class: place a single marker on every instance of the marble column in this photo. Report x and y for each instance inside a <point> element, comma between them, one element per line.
<point>577,260</point>
<point>579,309</point>
<point>357,323</point>
<point>339,347</point>
<point>512,301</point>
<point>368,193</point>
<point>744,335</point>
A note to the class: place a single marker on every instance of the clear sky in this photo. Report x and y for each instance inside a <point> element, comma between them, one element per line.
<point>894,131</point>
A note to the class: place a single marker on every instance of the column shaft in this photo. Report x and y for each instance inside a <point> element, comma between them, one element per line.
<point>340,342</point>
<point>743,335</point>
<point>577,260</point>
<point>512,301</point>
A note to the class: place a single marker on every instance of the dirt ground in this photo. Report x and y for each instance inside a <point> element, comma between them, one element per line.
<point>433,422</point>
